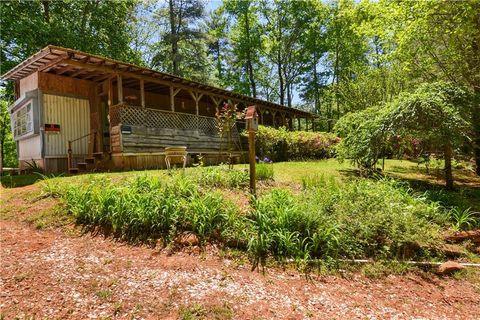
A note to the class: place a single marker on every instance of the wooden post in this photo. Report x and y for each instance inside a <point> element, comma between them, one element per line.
<point>142,92</point>
<point>251,156</point>
<point>196,97</point>
<point>299,124</point>
<point>120,89</point>
<point>293,122</point>
<point>69,155</point>
<point>173,93</point>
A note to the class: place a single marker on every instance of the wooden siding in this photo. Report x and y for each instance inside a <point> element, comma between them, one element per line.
<point>73,116</point>
<point>55,84</point>
<point>143,139</point>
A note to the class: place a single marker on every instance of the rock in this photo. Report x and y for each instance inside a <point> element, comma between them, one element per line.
<point>452,250</point>
<point>449,267</point>
<point>187,239</point>
<point>472,235</point>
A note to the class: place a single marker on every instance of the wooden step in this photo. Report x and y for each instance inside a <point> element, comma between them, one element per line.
<point>73,170</point>
<point>90,160</point>
<point>98,154</point>
<point>82,166</point>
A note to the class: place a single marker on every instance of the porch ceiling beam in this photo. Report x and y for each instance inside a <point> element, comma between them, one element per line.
<point>52,63</point>
<point>78,72</point>
<point>151,76</point>
<point>63,70</point>
<point>102,78</point>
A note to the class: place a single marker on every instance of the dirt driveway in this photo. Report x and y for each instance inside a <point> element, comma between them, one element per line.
<point>61,274</point>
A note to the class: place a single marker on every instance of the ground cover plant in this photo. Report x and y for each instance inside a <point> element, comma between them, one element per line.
<point>313,218</point>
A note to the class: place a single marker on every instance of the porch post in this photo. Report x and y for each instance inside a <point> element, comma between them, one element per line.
<point>261,116</point>
<point>120,89</point>
<point>172,100</point>
<point>142,92</point>
<point>173,93</point>
<point>293,122</point>
<point>299,125</point>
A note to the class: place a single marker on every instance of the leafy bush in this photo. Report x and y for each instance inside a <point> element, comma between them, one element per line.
<point>150,208</point>
<point>282,145</point>
<point>222,176</point>
<point>386,221</point>
<point>328,220</point>
<point>435,113</point>
<point>264,171</point>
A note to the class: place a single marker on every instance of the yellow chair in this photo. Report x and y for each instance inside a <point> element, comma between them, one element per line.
<point>175,155</point>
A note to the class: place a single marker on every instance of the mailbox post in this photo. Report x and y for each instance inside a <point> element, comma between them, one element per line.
<point>251,118</point>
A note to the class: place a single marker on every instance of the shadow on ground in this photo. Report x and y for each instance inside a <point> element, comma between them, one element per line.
<point>431,184</point>
<point>15,181</point>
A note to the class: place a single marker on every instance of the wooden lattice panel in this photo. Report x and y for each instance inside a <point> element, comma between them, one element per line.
<point>153,118</point>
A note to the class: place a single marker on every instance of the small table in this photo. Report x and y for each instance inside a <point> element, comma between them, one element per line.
<point>176,155</point>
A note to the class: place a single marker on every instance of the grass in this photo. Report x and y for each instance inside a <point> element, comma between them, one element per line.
<point>306,211</point>
<point>199,311</point>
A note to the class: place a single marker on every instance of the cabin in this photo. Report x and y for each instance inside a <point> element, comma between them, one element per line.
<point>76,111</point>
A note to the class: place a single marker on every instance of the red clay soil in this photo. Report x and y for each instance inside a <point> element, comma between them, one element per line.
<point>63,275</point>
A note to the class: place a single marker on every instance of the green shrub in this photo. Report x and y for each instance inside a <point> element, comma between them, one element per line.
<point>264,171</point>
<point>327,220</point>
<point>358,219</point>
<point>282,145</point>
<point>150,208</point>
<point>222,176</point>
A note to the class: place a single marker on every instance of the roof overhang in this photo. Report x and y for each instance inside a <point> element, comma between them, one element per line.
<point>82,65</point>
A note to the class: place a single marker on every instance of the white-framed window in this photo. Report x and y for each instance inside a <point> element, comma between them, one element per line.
<point>23,120</point>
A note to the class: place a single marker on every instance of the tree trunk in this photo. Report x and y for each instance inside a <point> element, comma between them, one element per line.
<point>476,129</point>
<point>46,10</point>
<point>253,87</point>
<point>315,86</point>
<point>280,80</point>
<point>173,38</point>
<point>447,155</point>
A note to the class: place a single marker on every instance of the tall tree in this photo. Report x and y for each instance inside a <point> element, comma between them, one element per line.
<point>245,40</point>
<point>440,40</point>
<point>285,24</point>
<point>93,26</point>
<point>180,19</point>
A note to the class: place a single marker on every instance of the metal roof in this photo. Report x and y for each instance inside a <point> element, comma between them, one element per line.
<point>82,65</point>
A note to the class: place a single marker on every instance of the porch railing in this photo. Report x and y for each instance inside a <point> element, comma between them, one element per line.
<point>154,118</point>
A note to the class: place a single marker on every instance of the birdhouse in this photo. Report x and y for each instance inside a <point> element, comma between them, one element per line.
<point>251,118</point>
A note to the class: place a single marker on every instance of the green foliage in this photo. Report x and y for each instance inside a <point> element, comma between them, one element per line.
<point>282,145</point>
<point>464,219</point>
<point>387,221</point>
<point>93,26</point>
<point>8,148</point>
<point>150,208</point>
<point>264,171</point>
<point>224,177</point>
<point>364,136</point>
<point>434,112</point>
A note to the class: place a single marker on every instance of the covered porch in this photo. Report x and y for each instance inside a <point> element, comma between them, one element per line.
<point>134,113</point>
